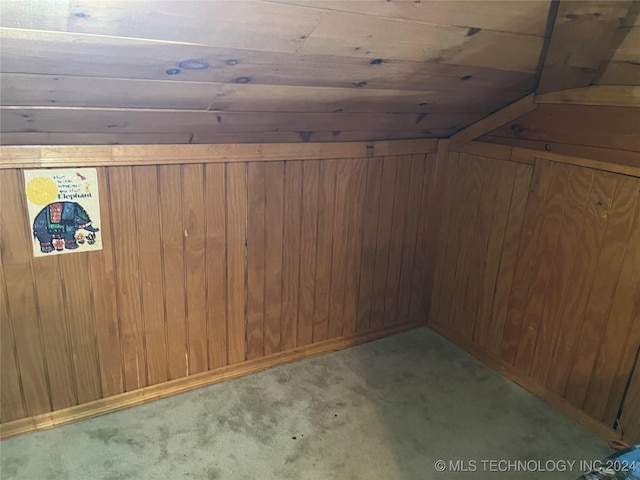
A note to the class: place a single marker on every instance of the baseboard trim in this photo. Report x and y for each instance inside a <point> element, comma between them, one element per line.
<point>173,387</point>
<point>553,399</point>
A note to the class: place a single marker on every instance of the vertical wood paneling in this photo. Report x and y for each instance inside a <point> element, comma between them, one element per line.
<point>102,278</point>
<point>125,245</point>
<point>339,260</point>
<point>410,243</point>
<point>256,185</point>
<point>538,278</point>
<point>356,203</point>
<point>207,265</point>
<point>461,184</point>
<point>310,177</point>
<point>588,246</point>
<point>369,237</point>
<point>462,322</point>
<point>473,245</point>
<point>632,408</point>
<point>622,323</point>
<point>490,180</point>
<point>613,362</point>
<point>381,258</point>
<point>236,260</point>
<point>398,239</point>
<point>193,224</point>
<point>433,192</point>
<point>468,272</point>
<point>614,242</point>
<point>274,220</point>
<point>550,278</point>
<point>506,270</point>
<point>145,181</point>
<point>81,323</point>
<point>11,396</point>
<point>216,263</point>
<point>171,233</point>
<point>498,202</point>
<point>441,241</point>
<point>291,256</point>
<point>569,314</point>
<point>55,334</point>
<point>526,261</point>
<point>324,248</point>
<point>18,274</point>
<point>562,263</point>
<point>628,360</point>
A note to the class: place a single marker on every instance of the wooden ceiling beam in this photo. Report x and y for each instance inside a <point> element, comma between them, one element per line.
<point>76,54</point>
<point>266,26</point>
<point>514,17</point>
<point>624,67</point>
<point>48,138</point>
<point>613,128</point>
<point>122,120</point>
<point>315,72</point>
<point>499,118</point>
<point>617,96</point>
<point>624,72</point>
<point>20,89</point>
<point>584,39</point>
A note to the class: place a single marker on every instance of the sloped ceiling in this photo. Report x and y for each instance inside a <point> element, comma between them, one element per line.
<point>98,72</point>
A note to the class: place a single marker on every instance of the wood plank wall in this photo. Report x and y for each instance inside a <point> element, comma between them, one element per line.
<point>207,265</point>
<point>632,407</point>
<point>609,134</point>
<point>538,271</point>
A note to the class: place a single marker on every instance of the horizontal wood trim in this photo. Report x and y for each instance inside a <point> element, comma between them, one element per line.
<point>591,157</point>
<point>82,155</point>
<point>405,147</point>
<point>492,150</point>
<point>616,96</point>
<point>507,114</point>
<point>333,136</point>
<point>556,401</point>
<point>501,152</point>
<point>575,155</point>
<point>156,392</point>
<point>610,160</point>
<point>134,120</point>
<point>605,127</point>
<point>633,171</point>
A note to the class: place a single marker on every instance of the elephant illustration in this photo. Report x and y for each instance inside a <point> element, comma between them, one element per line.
<point>56,225</point>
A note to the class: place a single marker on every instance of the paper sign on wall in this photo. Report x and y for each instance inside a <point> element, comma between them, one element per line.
<point>64,210</point>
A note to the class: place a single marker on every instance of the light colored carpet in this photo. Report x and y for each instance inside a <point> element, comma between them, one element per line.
<point>385,410</point>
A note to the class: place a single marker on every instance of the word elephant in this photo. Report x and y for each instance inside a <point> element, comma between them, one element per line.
<point>56,226</point>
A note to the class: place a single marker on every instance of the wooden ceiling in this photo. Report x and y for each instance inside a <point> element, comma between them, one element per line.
<point>138,72</point>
